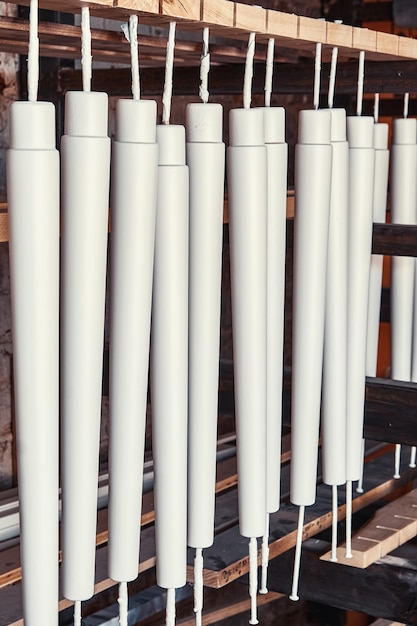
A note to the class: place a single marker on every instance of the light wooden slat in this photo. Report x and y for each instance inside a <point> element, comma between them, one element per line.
<point>217,615</point>
<point>4,227</point>
<point>339,35</point>
<point>387,43</point>
<point>249,18</point>
<point>218,12</point>
<point>281,25</point>
<point>146,6</point>
<point>407,47</point>
<point>312,30</point>
<point>389,528</point>
<point>364,39</point>
<point>183,9</point>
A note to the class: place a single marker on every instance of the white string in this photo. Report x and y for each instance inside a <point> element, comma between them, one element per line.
<point>77,613</point>
<point>361,74</point>
<point>376,108</point>
<point>333,556</point>
<point>332,80</point>
<point>86,58</point>
<point>169,68</point>
<point>134,56</point>
<point>123,604</point>
<point>198,585</point>
<point>247,87</point>
<point>406,103</point>
<point>265,558</point>
<point>33,53</point>
<point>297,557</point>
<point>269,71</point>
<point>359,488</point>
<point>170,608</point>
<point>397,460</point>
<point>317,71</point>
<point>253,578</point>
<point>205,67</point>
<point>348,553</point>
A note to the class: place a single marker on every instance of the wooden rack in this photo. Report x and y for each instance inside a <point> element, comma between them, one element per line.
<point>389,411</point>
<point>235,20</point>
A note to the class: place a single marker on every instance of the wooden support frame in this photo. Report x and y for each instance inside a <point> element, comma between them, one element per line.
<point>246,19</point>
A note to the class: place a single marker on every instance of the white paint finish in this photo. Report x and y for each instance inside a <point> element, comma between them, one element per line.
<point>206,162</point>
<point>277,161</point>
<point>134,193</point>
<point>361,191</point>
<point>403,211</point>
<point>335,334</point>
<point>169,362</point>
<point>247,187</point>
<point>378,216</point>
<point>85,202</point>
<point>34,269</point>
<point>311,225</point>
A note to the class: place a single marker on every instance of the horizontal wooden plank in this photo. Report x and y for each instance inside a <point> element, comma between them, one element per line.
<point>387,588</point>
<point>309,32</point>
<point>391,526</point>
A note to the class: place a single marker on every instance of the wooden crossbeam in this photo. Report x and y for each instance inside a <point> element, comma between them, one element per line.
<point>264,22</point>
<point>390,527</point>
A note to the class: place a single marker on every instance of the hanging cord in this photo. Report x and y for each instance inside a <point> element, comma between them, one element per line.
<point>134,55</point>
<point>33,53</point>
<point>265,558</point>
<point>317,72</point>
<point>361,74</point>
<point>333,556</point>
<point>170,608</point>
<point>406,104</point>
<point>247,86</point>
<point>297,557</point>
<point>333,66</point>
<point>376,108</point>
<point>253,579</point>
<point>169,68</point>
<point>269,71</point>
<point>77,613</point>
<point>86,58</point>
<point>198,585</point>
<point>205,67</point>
<point>332,80</point>
<point>123,604</point>
<point>348,553</point>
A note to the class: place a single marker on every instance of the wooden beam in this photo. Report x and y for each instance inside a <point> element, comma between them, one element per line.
<point>387,588</point>
<point>309,31</point>
<point>390,527</point>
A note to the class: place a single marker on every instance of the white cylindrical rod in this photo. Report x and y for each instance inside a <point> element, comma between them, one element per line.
<point>277,158</point>
<point>360,133</point>
<point>277,161</point>
<point>206,161</point>
<point>312,193</point>
<point>378,216</point>
<point>247,187</point>
<point>403,211</point>
<point>335,334</point>
<point>85,150</point>
<point>33,203</point>
<point>169,357</point>
<point>134,188</point>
